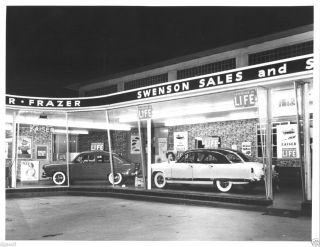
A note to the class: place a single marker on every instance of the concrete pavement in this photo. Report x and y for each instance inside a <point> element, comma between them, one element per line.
<point>105,218</point>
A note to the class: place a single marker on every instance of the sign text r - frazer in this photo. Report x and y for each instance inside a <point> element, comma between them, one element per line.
<point>43,102</point>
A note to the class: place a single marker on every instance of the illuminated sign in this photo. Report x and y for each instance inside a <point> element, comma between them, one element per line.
<point>245,98</point>
<point>252,73</point>
<point>145,112</point>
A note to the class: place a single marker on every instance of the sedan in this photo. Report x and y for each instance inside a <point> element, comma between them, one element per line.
<point>223,167</point>
<point>91,165</point>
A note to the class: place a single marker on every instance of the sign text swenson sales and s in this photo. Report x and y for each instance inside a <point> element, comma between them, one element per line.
<point>207,81</point>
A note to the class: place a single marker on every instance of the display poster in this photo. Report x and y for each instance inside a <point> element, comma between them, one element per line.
<point>29,170</point>
<point>246,148</point>
<point>42,152</point>
<point>97,146</point>
<point>135,144</point>
<point>180,141</point>
<point>245,98</point>
<point>163,147</point>
<point>211,142</point>
<point>287,141</point>
<point>24,147</point>
<point>284,103</point>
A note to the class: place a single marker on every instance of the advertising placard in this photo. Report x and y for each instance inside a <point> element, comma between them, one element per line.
<point>97,146</point>
<point>42,152</point>
<point>163,147</point>
<point>24,147</point>
<point>284,103</point>
<point>287,141</point>
<point>246,148</point>
<point>245,98</point>
<point>135,147</point>
<point>29,170</point>
<point>180,141</point>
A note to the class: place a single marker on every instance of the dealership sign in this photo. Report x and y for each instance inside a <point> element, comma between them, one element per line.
<point>252,73</point>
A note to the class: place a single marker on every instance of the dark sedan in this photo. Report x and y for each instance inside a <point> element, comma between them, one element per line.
<point>91,165</point>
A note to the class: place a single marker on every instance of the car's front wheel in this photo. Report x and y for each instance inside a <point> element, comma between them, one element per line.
<point>159,180</point>
<point>59,178</point>
<point>116,179</point>
<point>223,186</point>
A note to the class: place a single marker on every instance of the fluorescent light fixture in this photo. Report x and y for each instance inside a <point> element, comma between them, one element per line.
<point>75,132</point>
<point>184,111</point>
<point>184,121</point>
<point>229,117</point>
<point>74,123</point>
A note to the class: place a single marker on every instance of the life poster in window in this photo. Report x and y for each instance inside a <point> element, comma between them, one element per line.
<point>135,145</point>
<point>29,170</point>
<point>24,147</point>
<point>287,141</point>
<point>42,152</point>
<point>163,147</point>
<point>180,141</point>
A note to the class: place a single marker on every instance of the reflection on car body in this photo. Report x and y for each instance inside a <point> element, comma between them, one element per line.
<point>91,165</point>
<point>223,167</point>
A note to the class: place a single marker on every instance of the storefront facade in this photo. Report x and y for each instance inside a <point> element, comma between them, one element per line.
<point>263,111</point>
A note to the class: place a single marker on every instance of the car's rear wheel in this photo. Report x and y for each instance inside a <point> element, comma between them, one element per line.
<point>159,180</point>
<point>223,186</point>
<point>59,178</point>
<point>116,179</point>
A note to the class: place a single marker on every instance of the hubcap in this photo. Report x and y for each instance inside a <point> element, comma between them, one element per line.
<point>160,180</point>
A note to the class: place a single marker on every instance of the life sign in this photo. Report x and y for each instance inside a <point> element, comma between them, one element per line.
<point>145,112</point>
<point>245,98</point>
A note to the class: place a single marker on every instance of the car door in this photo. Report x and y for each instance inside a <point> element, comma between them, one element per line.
<point>222,167</point>
<point>87,169</point>
<point>183,168</point>
<point>203,167</point>
<point>76,167</point>
<point>100,168</point>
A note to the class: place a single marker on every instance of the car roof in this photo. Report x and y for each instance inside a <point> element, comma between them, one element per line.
<point>218,150</point>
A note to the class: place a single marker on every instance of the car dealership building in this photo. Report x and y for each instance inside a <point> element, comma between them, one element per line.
<point>255,97</point>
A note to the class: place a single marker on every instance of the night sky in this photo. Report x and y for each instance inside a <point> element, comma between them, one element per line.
<point>48,48</point>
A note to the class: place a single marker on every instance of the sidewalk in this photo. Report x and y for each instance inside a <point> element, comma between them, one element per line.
<point>287,200</point>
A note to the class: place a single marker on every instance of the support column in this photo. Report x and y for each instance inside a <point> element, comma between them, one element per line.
<point>149,153</point>
<point>14,154</point>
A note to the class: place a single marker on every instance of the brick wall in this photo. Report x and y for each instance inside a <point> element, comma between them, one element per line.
<point>230,132</point>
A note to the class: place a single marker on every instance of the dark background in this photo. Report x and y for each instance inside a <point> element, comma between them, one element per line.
<point>48,47</point>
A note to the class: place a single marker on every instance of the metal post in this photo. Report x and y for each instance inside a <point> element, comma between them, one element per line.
<point>110,149</point>
<point>143,163</point>
<point>67,142</point>
<point>269,147</point>
<point>149,153</point>
<point>14,154</point>
<point>299,99</point>
<point>306,140</point>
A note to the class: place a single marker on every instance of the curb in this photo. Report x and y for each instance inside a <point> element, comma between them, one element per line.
<point>239,203</point>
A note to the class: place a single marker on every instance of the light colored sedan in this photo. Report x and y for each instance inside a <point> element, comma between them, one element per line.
<point>223,167</point>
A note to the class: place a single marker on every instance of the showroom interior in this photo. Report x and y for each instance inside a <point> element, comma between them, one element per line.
<point>263,110</point>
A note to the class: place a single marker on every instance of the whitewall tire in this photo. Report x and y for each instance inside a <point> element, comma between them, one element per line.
<point>159,180</point>
<point>117,179</point>
<point>223,186</point>
<point>59,178</point>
